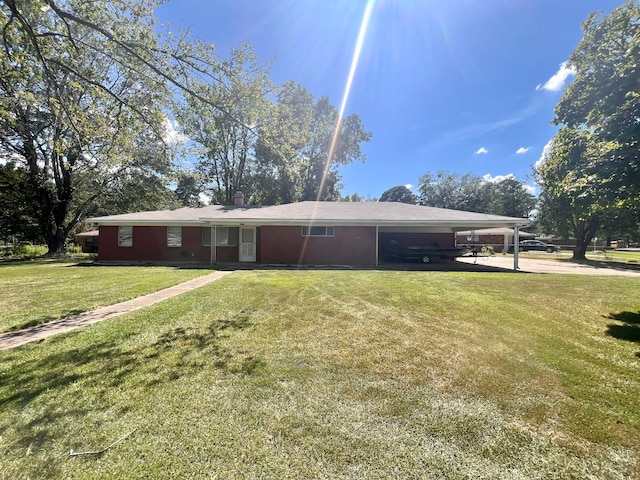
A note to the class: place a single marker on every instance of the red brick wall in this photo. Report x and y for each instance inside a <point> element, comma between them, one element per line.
<point>227,254</point>
<point>150,244</point>
<point>349,246</point>
<point>276,244</point>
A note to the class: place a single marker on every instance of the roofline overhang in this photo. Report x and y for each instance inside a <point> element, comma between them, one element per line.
<point>203,222</point>
<point>459,224</point>
<point>148,223</point>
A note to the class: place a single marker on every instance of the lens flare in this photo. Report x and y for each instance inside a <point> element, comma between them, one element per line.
<point>347,90</point>
<point>345,97</point>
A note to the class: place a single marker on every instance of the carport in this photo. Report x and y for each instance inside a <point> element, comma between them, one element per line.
<point>438,228</point>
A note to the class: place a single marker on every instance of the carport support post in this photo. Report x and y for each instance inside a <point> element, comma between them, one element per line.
<point>377,246</point>
<point>516,243</point>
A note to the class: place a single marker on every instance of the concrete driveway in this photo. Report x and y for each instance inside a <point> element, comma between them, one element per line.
<point>535,265</point>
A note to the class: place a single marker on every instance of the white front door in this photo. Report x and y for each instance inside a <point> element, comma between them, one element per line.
<point>247,244</point>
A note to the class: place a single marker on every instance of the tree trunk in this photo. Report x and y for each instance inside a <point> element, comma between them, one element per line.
<point>580,251</point>
<point>584,231</point>
<point>52,215</point>
<point>56,243</point>
<point>55,200</point>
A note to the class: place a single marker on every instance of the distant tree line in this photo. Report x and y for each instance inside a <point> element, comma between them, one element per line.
<point>508,196</point>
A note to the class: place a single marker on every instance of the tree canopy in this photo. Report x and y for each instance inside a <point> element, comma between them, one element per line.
<point>472,193</point>
<point>223,140</point>
<point>83,86</point>
<point>591,178</point>
<point>452,190</point>
<point>400,194</point>
<point>18,205</point>
<point>297,156</point>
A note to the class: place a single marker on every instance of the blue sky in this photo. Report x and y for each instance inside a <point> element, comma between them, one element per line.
<point>457,85</point>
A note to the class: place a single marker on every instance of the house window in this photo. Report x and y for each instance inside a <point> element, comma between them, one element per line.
<point>226,236</point>
<point>125,236</point>
<point>174,236</point>
<point>206,236</point>
<point>317,231</point>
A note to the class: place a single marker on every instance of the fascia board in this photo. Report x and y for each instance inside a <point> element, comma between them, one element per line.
<point>152,223</point>
<point>368,223</point>
<point>457,224</point>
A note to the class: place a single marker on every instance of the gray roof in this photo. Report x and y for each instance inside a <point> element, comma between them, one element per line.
<point>334,213</point>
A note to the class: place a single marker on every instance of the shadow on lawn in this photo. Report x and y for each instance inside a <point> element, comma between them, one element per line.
<point>78,382</point>
<point>628,330</point>
<point>602,264</point>
<point>44,319</point>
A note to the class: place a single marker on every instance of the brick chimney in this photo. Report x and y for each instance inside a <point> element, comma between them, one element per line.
<point>238,199</point>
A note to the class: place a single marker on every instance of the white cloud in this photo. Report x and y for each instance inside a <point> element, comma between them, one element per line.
<point>546,151</point>
<point>481,150</point>
<point>558,81</point>
<point>488,178</point>
<point>409,186</point>
<point>522,150</point>
<point>171,134</point>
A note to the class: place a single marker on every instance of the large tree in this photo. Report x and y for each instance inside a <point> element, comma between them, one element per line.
<point>510,197</point>
<point>592,174</point>
<point>188,188</point>
<point>507,196</point>
<point>224,138</point>
<point>451,190</point>
<point>302,143</point>
<point>135,193</point>
<point>399,194</point>
<point>570,204</point>
<point>83,86</point>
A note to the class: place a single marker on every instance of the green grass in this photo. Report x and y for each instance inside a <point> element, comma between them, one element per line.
<point>619,256</point>
<point>41,291</point>
<point>23,251</point>
<point>338,374</point>
<point>610,256</point>
<point>603,258</point>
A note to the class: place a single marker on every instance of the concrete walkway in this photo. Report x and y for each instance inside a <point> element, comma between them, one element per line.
<point>39,332</point>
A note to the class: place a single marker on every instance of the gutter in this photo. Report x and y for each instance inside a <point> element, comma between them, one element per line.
<point>456,224</point>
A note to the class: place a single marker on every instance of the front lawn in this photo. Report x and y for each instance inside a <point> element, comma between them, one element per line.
<point>339,374</point>
<point>40,291</point>
<point>619,256</point>
<point>604,259</point>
